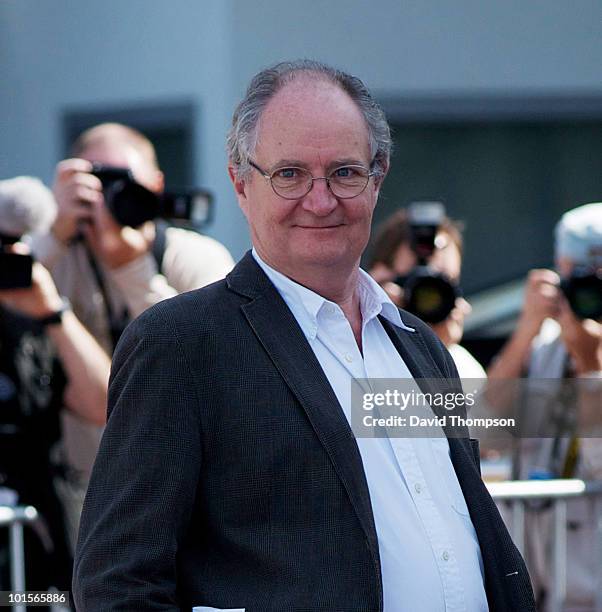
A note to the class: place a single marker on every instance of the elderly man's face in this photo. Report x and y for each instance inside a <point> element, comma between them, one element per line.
<point>313,125</point>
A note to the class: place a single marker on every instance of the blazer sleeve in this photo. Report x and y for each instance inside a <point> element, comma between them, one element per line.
<point>142,490</point>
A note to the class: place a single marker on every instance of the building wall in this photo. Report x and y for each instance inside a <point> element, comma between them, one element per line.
<point>403,47</point>
<point>64,54</point>
<point>60,54</point>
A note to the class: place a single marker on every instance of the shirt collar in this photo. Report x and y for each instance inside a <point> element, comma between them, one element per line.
<point>305,304</point>
<point>375,301</point>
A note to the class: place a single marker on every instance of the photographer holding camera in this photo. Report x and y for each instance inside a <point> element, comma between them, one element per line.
<point>417,258</point>
<point>105,251</point>
<point>48,361</point>
<point>559,336</point>
<point>559,327</point>
<point>111,259</point>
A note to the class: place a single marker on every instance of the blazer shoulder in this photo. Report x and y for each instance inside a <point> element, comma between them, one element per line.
<point>190,304</point>
<point>200,310</point>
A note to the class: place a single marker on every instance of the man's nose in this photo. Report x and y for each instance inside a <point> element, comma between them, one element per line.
<point>320,200</point>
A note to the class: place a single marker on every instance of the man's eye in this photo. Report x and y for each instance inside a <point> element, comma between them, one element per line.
<point>287,173</point>
<point>344,172</point>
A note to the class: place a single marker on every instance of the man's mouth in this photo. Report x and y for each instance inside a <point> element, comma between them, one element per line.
<point>320,227</point>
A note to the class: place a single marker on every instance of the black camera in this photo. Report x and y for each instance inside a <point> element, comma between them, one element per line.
<point>15,269</point>
<point>132,204</point>
<point>424,219</point>
<point>583,291</point>
<point>427,293</point>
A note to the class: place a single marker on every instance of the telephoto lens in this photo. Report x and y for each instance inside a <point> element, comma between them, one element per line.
<point>428,294</point>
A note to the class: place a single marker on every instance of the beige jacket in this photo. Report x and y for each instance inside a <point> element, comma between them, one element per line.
<point>190,261</point>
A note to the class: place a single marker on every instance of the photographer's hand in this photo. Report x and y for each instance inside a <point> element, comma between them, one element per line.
<point>76,191</point>
<point>542,295</point>
<point>582,339</point>
<point>541,301</point>
<point>114,244</point>
<point>38,301</point>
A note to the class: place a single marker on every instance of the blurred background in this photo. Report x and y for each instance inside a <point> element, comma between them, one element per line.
<point>496,110</point>
<point>496,107</point>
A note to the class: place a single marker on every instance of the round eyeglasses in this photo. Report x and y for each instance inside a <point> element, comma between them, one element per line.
<point>292,183</point>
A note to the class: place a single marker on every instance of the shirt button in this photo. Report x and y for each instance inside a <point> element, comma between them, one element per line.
<point>348,358</point>
<point>445,555</point>
<point>417,487</point>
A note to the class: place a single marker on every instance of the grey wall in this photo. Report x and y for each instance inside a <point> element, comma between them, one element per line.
<point>444,46</point>
<point>64,54</point>
<point>57,54</point>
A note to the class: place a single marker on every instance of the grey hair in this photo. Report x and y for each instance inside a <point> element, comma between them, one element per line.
<point>242,137</point>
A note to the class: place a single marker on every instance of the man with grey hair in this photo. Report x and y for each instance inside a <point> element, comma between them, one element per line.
<point>229,477</point>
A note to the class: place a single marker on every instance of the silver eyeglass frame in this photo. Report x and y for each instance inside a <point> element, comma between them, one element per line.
<point>268,178</point>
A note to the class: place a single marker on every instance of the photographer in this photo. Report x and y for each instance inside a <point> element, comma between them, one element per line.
<point>417,258</point>
<point>48,361</point>
<point>108,269</point>
<point>551,339</point>
<point>559,336</point>
<point>111,271</point>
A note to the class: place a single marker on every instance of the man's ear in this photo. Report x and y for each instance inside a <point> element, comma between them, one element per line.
<point>384,169</point>
<point>239,184</point>
<point>239,188</point>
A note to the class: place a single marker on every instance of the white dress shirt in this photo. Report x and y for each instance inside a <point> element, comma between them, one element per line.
<point>429,552</point>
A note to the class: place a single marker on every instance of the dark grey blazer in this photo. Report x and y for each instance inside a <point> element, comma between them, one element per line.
<point>228,475</point>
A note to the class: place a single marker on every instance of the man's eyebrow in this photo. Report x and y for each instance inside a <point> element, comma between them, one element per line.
<point>287,163</point>
<point>333,165</point>
<point>346,161</point>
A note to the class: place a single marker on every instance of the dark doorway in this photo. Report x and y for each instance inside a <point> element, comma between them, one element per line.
<point>169,126</point>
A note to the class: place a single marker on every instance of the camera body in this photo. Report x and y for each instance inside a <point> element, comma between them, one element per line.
<point>132,204</point>
<point>15,269</point>
<point>583,291</point>
<point>428,294</point>
<point>424,219</point>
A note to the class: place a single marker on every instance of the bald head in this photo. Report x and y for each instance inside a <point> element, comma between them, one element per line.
<point>115,134</point>
<point>114,144</point>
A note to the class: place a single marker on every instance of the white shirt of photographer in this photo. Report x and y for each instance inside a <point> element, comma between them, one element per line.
<point>430,556</point>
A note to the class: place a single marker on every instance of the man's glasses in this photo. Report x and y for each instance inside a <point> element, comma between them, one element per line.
<point>292,183</point>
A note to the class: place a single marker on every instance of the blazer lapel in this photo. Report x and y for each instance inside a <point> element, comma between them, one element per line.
<point>280,335</point>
